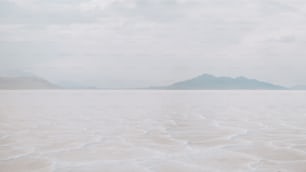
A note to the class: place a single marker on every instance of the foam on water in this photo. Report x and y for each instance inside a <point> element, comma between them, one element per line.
<point>148,131</point>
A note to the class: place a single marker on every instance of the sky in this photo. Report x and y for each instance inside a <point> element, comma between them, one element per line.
<point>139,43</point>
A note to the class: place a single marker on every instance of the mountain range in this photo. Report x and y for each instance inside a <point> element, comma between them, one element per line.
<point>202,82</point>
<point>211,82</point>
<point>25,83</point>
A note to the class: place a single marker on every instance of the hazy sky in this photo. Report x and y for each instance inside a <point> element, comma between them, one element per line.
<point>132,43</point>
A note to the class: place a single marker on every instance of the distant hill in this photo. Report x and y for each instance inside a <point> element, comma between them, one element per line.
<point>210,82</point>
<point>298,87</point>
<point>25,83</point>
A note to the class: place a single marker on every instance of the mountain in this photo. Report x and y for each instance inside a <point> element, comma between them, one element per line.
<point>25,83</point>
<point>210,82</point>
<point>298,87</point>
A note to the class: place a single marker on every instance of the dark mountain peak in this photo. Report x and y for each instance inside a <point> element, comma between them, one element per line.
<point>210,82</point>
<point>205,75</point>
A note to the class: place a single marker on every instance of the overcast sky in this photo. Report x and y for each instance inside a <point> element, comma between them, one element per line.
<point>131,43</point>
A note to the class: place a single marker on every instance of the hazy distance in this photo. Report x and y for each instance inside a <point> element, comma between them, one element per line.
<point>141,43</point>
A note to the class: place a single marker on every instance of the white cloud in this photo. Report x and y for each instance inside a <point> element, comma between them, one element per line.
<point>155,41</point>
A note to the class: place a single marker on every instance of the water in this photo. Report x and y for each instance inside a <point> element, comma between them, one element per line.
<point>152,131</point>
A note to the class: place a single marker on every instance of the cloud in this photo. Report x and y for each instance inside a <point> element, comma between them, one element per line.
<point>81,11</point>
<point>152,40</point>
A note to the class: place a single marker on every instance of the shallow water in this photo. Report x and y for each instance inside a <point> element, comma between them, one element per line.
<point>148,131</point>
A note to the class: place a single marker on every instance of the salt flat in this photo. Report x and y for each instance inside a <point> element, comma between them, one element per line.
<point>152,131</point>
